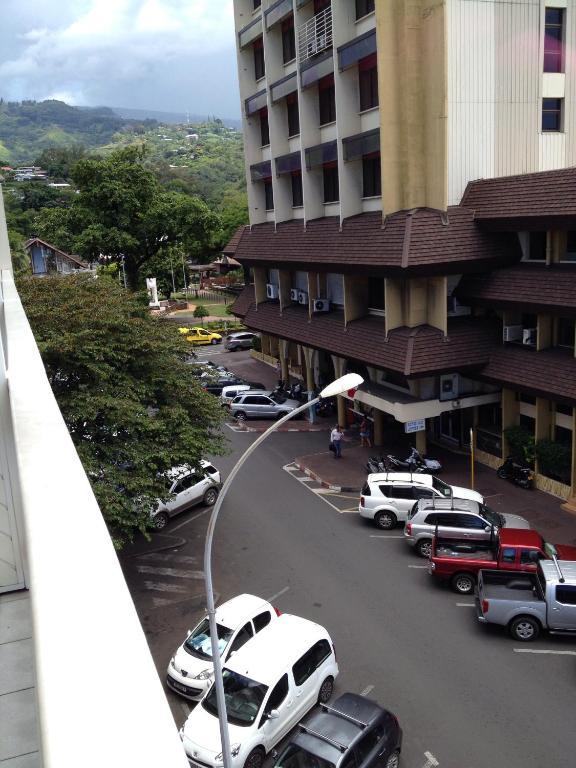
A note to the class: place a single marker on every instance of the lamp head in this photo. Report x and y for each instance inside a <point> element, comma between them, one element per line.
<point>347,383</point>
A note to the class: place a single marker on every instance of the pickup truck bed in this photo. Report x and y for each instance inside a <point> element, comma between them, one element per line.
<point>465,551</point>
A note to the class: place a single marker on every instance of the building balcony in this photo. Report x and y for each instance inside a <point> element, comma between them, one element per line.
<point>315,35</point>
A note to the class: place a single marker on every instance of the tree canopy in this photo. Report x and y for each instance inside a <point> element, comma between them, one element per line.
<point>130,402</point>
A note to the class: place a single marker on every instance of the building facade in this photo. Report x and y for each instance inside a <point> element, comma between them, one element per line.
<point>412,211</point>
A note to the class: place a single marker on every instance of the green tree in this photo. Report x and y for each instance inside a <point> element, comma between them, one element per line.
<point>59,161</point>
<point>132,406</point>
<point>200,312</point>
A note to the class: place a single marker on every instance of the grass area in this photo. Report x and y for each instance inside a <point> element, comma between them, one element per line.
<point>216,310</point>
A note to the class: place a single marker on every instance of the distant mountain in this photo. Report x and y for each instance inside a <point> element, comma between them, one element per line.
<point>172,118</point>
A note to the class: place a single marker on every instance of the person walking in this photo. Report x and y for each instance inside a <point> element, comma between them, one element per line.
<point>365,433</point>
<point>336,439</point>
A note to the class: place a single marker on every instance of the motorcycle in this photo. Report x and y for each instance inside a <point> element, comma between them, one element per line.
<point>516,471</point>
<point>326,407</point>
<point>295,392</point>
<point>414,463</point>
<point>375,464</point>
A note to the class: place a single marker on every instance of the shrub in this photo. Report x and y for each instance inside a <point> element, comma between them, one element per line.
<point>521,443</point>
<point>201,312</point>
<point>554,459</point>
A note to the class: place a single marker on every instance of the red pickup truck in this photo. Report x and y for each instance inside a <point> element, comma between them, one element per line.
<point>513,549</point>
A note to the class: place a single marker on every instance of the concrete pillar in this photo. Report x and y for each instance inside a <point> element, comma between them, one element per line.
<point>544,332</point>
<point>283,353</point>
<point>265,344</point>
<point>308,358</point>
<point>378,427</point>
<point>571,502</point>
<point>510,415</point>
<point>421,442</point>
<point>260,285</point>
<point>543,428</point>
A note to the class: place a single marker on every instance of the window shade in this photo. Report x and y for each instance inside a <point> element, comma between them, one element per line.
<point>357,49</point>
<point>255,103</point>
<point>277,12</point>
<point>288,163</point>
<point>361,144</point>
<point>320,154</point>
<point>261,171</point>
<point>282,88</point>
<point>316,68</point>
<point>250,32</point>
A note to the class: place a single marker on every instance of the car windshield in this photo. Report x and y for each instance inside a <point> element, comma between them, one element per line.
<point>494,518</point>
<point>296,757</point>
<point>198,643</point>
<point>278,398</point>
<point>243,698</point>
<point>441,487</point>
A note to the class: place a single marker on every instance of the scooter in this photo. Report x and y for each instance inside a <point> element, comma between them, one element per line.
<point>375,464</point>
<point>516,471</point>
<point>414,463</point>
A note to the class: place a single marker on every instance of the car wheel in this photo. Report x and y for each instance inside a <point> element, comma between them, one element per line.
<point>255,758</point>
<point>385,520</point>
<point>160,520</point>
<point>325,690</point>
<point>210,497</point>
<point>213,341</point>
<point>393,760</point>
<point>240,415</point>
<point>463,583</point>
<point>424,547</point>
<point>524,629</point>
<point>502,474</point>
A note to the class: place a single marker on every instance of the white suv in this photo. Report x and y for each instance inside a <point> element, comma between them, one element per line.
<point>388,497</point>
<point>187,488</point>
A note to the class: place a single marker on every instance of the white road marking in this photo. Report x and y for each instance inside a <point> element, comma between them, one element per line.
<point>417,566</point>
<point>190,519</point>
<point>431,761</point>
<point>160,602</point>
<point>352,510</point>
<point>176,572</point>
<point>384,536</point>
<point>161,586</point>
<point>493,495</point>
<point>322,491</point>
<point>465,605</point>
<point>185,559</point>
<point>542,651</point>
<point>290,468</point>
<point>307,479</point>
<point>367,690</point>
<point>277,595</point>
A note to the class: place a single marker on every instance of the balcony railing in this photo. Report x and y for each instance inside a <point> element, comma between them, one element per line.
<point>315,35</point>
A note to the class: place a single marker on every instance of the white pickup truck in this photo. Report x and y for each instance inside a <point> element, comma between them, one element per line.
<point>527,603</point>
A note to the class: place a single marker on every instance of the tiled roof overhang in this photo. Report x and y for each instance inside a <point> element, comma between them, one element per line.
<point>421,241</point>
<point>550,373</point>
<point>243,301</point>
<point>410,351</point>
<point>230,248</point>
<point>537,288</point>
<point>527,201</point>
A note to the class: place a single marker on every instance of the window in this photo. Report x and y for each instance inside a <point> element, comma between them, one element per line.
<point>262,620</point>
<point>508,555</point>
<point>327,100</point>
<point>471,521</point>
<point>293,115</point>
<point>537,247</point>
<point>307,664</point>
<point>259,68</point>
<point>552,114</point>
<point>368,82</point>
<point>257,4</point>
<point>422,493</point>
<point>566,595</point>
<point>241,638</point>
<point>529,556</point>
<point>432,519</point>
<point>297,196</point>
<point>376,293</point>
<point>554,40</point>
<point>368,743</point>
<point>288,41</point>
<point>279,693</point>
<point>331,193</point>
<point>385,490</point>
<point>268,196</point>
<point>264,128</point>
<point>565,332</point>
<point>255,400</point>
<point>570,254</point>
<point>371,179</point>
<point>402,492</point>
<point>363,8</point>
<point>185,483</point>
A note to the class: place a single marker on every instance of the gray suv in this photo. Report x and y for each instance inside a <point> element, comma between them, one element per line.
<point>464,518</point>
<point>261,405</point>
<point>240,340</point>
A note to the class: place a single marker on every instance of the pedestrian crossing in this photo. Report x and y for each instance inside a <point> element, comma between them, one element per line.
<point>169,579</point>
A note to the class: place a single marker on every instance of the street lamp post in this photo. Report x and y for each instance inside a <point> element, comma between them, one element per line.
<point>347,383</point>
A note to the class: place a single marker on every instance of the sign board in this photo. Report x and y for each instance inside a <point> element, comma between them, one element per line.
<point>419,425</point>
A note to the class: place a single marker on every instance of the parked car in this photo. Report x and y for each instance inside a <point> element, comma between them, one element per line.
<point>230,392</point>
<point>200,336</point>
<point>239,340</point>
<point>216,385</point>
<point>454,517</point>
<point>352,731</point>
<point>187,488</point>
<point>269,685</point>
<point>238,620</point>
<point>528,603</point>
<point>459,560</point>
<point>388,497</point>
<point>261,405</point>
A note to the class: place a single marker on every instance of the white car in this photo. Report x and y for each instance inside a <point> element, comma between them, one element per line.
<point>188,488</point>
<point>191,669</point>
<point>231,391</point>
<point>388,497</point>
<point>269,685</point>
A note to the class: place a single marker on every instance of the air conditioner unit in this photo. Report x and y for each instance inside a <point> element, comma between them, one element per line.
<point>529,336</point>
<point>449,386</point>
<point>321,305</point>
<point>320,42</point>
<point>513,333</point>
<point>302,297</point>
<point>311,48</point>
<point>271,291</point>
<point>294,294</point>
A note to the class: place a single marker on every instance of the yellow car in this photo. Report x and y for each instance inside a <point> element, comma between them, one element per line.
<point>200,336</point>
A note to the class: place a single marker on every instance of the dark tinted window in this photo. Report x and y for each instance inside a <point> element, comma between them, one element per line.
<point>297,196</point>
<point>471,521</point>
<point>368,743</point>
<point>368,83</point>
<point>422,493</point>
<point>261,621</point>
<point>371,179</point>
<point>242,637</point>
<point>529,556</point>
<point>553,40</point>
<point>293,115</point>
<point>401,492</point>
<point>256,400</point>
<point>364,7</point>
<point>185,483</point>
<point>278,694</point>
<point>322,650</point>
<point>288,41</point>
<point>259,70</point>
<point>331,191</point>
<point>268,196</point>
<point>566,595</point>
<point>210,468</point>
<point>376,293</point>
<point>508,555</point>
<point>552,114</point>
<point>327,100</point>
<point>537,246</point>
<point>432,519</point>
<point>307,664</point>
<point>264,128</point>
<point>385,490</point>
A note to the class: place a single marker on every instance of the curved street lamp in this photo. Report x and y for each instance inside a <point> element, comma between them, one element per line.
<point>347,383</point>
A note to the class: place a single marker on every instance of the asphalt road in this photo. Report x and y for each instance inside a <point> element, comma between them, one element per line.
<point>466,696</point>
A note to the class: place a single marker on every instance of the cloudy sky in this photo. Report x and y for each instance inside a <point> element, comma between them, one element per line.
<point>172,55</point>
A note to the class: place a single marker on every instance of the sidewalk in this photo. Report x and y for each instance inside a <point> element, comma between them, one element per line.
<point>544,512</point>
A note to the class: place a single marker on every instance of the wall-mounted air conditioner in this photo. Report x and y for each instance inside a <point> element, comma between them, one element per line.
<point>449,386</point>
<point>512,333</point>
<point>529,337</point>
<point>302,297</point>
<point>311,48</point>
<point>271,291</point>
<point>294,294</point>
<point>321,305</point>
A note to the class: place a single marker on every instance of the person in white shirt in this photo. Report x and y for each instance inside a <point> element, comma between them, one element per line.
<point>336,440</point>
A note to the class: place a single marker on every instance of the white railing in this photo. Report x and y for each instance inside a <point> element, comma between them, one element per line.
<point>100,701</point>
<point>315,35</point>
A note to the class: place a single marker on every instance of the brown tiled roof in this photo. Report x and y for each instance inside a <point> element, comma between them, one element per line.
<point>550,373</point>
<point>422,240</point>
<point>410,351</point>
<point>230,248</point>
<point>243,301</point>
<point>544,194</point>
<point>536,287</point>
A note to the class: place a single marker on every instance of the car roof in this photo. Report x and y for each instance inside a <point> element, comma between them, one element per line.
<point>183,469</point>
<point>568,568</point>
<point>400,477</point>
<point>240,609</point>
<point>449,505</point>
<point>521,537</point>
<point>275,648</point>
<point>240,333</point>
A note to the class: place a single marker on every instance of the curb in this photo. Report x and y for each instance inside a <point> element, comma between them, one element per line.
<point>323,483</point>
